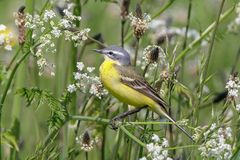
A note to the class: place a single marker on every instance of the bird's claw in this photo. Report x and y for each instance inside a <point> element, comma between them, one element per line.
<point>114,123</point>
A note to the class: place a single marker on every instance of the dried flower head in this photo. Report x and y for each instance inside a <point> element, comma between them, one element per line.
<point>233,86</point>
<point>152,54</point>
<point>124,9</point>
<point>20,22</point>
<point>139,22</point>
<point>85,142</point>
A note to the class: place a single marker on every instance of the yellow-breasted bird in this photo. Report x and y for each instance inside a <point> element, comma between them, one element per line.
<point>123,82</point>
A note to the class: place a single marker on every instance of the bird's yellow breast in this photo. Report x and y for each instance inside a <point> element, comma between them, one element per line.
<point>111,80</point>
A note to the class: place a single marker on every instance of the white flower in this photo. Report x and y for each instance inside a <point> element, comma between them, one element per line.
<point>233,86</point>
<point>2,27</point>
<point>77,76</point>
<point>65,23</point>
<point>157,150</point>
<point>56,32</point>
<point>90,69</point>
<point>49,14</point>
<point>165,142</point>
<point>238,107</point>
<point>155,138</point>
<point>215,145</point>
<point>95,89</point>
<point>143,158</point>
<point>8,47</point>
<point>80,66</point>
<point>2,39</point>
<point>71,88</point>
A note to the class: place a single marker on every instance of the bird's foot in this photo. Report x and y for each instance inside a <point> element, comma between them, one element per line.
<point>115,122</point>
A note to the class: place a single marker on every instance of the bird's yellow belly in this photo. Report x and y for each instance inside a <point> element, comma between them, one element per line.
<point>111,81</point>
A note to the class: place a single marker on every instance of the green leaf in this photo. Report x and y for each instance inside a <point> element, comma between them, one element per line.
<point>58,109</point>
<point>182,89</point>
<point>9,139</point>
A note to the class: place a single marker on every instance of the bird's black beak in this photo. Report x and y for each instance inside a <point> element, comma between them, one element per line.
<point>98,50</point>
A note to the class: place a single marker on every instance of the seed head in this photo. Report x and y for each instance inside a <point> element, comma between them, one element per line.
<point>87,143</point>
<point>139,21</point>
<point>138,11</point>
<point>153,55</point>
<point>124,9</point>
<point>20,22</point>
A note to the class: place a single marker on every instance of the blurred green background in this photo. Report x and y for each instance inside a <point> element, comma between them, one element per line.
<point>102,17</point>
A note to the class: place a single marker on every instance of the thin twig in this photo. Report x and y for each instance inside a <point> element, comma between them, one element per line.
<point>204,34</point>
<point>96,41</point>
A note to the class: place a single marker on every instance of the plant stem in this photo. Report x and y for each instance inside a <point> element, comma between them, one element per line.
<point>13,59</point>
<point>122,33</point>
<point>145,69</point>
<point>86,155</point>
<point>204,34</point>
<point>9,82</point>
<point>136,52</point>
<point>130,135</point>
<point>165,7</point>
<point>182,147</point>
<point>104,121</point>
<point>80,55</point>
<point>205,70</point>
<point>96,41</point>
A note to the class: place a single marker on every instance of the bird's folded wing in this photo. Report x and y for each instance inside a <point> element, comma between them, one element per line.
<point>135,81</point>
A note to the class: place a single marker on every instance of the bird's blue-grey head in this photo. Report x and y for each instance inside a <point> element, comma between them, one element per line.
<point>116,53</point>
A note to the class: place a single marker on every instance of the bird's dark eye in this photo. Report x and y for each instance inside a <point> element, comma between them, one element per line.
<point>110,53</point>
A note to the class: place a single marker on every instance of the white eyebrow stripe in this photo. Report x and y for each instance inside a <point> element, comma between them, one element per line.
<point>119,53</point>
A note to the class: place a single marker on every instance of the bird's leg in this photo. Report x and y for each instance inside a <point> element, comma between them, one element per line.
<point>123,115</point>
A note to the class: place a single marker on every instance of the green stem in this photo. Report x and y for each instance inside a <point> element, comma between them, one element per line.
<point>130,135</point>
<point>165,7</point>
<point>96,41</point>
<point>182,147</point>
<point>122,33</point>
<point>13,59</point>
<point>104,121</point>
<point>205,70</point>
<point>136,52</point>
<point>204,34</point>
<point>9,82</point>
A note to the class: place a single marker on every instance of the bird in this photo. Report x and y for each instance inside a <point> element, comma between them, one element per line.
<point>122,80</point>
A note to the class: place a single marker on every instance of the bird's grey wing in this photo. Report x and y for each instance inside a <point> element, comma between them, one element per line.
<point>132,79</point>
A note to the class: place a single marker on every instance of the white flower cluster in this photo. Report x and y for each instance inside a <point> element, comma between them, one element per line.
<point>48,27</point>
<point>86,81</point>
<point>161,29</point>
<point>233,86</point>
<point>6,38</point>
<point>157,150</point>
<point>234,26</point>
<point>140,25</point>
<point>215,144</point>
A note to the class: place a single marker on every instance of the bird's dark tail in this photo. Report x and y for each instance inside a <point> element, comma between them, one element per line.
<point>160,111</point>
